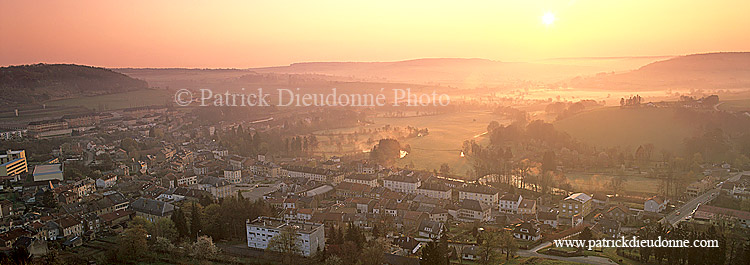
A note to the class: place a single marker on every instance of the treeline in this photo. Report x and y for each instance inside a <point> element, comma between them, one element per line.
<point>249,142</point>
<point>523,153</point>
<point>564,109</point>
<point>723,136</point>
<point>22,84</point>
<point>733,245</point>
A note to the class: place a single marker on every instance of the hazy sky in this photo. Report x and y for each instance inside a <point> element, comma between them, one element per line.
<point>265,33</point>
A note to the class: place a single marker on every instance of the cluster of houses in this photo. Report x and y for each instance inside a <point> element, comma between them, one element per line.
<point>315,195</point>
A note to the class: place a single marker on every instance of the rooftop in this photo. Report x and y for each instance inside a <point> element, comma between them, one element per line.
<point>41,170</point>
<point>579,197</point>
<point>276,223</point>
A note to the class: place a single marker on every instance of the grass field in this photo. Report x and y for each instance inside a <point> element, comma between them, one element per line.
<point>590,181</point>
<point>735,105</point>
<point>443,144</point>
<point>615,126</point>
<point>131,99</point>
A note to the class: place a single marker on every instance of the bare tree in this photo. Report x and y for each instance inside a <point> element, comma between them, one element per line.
<point>285,242</point>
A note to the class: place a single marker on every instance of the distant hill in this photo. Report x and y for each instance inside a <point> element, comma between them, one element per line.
<point>24,84</point>
<point>460,72</point>
<point>697,71</point>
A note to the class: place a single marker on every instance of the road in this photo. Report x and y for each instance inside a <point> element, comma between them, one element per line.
<point>586,260</point>
<point>685,210</point>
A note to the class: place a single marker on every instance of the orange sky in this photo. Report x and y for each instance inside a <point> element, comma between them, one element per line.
<point>265,33</point>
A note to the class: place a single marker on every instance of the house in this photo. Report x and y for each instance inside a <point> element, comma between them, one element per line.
<point>407,244</point>
<point>470,253</point>
<point>548,218</point>
<point>619,212</point>
<point>435,190</point>
<point>289,203</point>
<point>52,230</point>
<point>152,210</point>
<point>366,179</point>
<point>527,206</point>
<point>509,203</point>
<point>6,207</point>
<point>412,219</point>
<point>106,181</point>
<point>313,173</point>
<point>218,188</point>
<point>363,205</point>
<point>401,183</point>
<point>711,215</point>
<point>610,228</point>
<point>701,186</point>
<point>237,162</point>
<point>186,180</point>
<point>472,210</point>
<point>67,197</point>
<point>655,204</point>
<point>329,220</point>
<point>305,214</point>
<point>233,176</point>
<point>577,203</point>
<point>439,214</point>
<point>430,229</point>
<point>310,237</point>
<point>116,217</point>
<point>482,193</point>
<point>600,200</point>
<point>70,226</point>
<point>528,231</point>
<point>349,189</point>
<point>8,238</point>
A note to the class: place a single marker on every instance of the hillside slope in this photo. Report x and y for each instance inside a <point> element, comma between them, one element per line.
<point>697,71</point>
<point>613,126</point>
<point>460,72</point>
<point>40,82</point>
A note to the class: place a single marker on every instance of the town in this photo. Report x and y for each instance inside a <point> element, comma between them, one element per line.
<point>152,179</point>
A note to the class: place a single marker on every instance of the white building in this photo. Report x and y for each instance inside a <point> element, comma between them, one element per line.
<point>48,172</point>
<point>183,181</point>
<point>310,236</point>
<point>472,210</point>
<point>404,184</point>
<point>106,181</point>
<point>655,204</point>
<point>484,194</point>
<point>509,203</point>
<point>316,174</point>
<point>435,190</point>
<point>366,179</point>
<point>233,176</point>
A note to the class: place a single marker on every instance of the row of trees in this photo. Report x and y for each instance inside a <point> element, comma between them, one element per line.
<point>192,227</point>
<point>733,245</point>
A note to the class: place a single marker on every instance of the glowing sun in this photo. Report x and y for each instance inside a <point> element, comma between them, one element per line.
<point>548,18</point>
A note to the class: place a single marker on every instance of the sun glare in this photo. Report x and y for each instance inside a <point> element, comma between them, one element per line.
<point>548,18</point>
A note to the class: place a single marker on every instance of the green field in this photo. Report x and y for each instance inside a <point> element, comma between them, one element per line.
<point>131,99</point>
<point>613,126</point>
<point>443,144</point>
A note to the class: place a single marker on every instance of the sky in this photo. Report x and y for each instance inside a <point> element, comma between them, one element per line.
<point>240,34</point>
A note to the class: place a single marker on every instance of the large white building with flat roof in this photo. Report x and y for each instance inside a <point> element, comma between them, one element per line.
<point>310,236</point>
<point>48,172</point>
